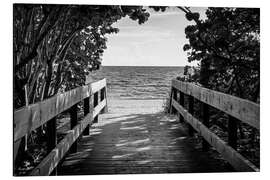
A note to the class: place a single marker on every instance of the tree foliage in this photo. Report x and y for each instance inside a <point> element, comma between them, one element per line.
<point>227,44</point>
<point>56,46</point>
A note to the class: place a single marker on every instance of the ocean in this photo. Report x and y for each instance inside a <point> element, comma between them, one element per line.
<point>137,82</point>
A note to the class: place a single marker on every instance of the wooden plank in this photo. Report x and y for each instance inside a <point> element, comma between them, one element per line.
<point>96,86</point>
<point>86,110</point>
<point>244,110</point>
<point>106,107</point>
<point>174,96</point>
<point>51,138</point>
<point>96,100</point>
<point>99,107</point>
<point>163,148</point>
<point>181,101</point>
<point>73,123</point>
<point>206,117</point>
<point>102,93</point>
<point>31,117</point>
<point>228,153</point>
<point>232,132</point>
<point>51,134</point>
<point>170,103</point>
<point>102,96</point>
<point>54,157</point>
<point>191,111</point>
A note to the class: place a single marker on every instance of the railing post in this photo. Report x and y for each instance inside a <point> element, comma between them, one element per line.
<point>181,102</point>
<point>73,123</point>
<point>170,103</point>
<point>51,138</point>
<point>205,117</point>
<point>173,97</point>
<point>106,107</point>
<point>51,134</point>
<point>86,110</point>
<point>191,111</point>
<point>102,97</point>
<point>95,104</point>
<point>232,132</point>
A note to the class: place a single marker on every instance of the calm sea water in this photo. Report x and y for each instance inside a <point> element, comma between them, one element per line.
<point>127,82</point>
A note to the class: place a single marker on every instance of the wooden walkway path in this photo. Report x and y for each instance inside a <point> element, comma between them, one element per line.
<point>136,137</point>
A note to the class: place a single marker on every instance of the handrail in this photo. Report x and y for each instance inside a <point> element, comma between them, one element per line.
<point>33,116</point>
<point>237,109</point>
<point>244,110</point>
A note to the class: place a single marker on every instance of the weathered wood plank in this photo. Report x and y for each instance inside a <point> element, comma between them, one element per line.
<point>53,158</point>
<point>106,107</point>
<point>98,85</point>
<point>96,100</point>
<point>31,117</point>
<point>181,102</point>
<point>51,134</point>
<point>73,123</point>
<point>191,111</point>
<point>86,110</point>
<point>206,117</point>
<point>232,132</point>
<point>51,161</point>
<point>244,110</point>
<point>99,107</point>
<point>231,155</point>
<point>170,103</point>
<point>161,146</point>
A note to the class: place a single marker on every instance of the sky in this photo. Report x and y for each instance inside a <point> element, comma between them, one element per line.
<point>157,42</point>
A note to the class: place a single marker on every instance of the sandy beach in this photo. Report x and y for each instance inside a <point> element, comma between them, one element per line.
<point>123,106</point>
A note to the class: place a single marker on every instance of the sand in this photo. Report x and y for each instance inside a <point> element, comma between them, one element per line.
<point>126,106</point>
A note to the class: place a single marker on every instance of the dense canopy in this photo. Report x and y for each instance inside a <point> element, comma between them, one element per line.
<point>227,44</point>
<point>56,46</point>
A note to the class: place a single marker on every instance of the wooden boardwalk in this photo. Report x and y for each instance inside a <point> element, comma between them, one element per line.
<point>135,136</point>
<point>130,140</point>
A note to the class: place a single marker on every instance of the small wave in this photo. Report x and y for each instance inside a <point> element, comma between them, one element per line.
<point>138,82</point>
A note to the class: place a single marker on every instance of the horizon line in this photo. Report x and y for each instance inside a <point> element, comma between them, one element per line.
<point>141,66</point>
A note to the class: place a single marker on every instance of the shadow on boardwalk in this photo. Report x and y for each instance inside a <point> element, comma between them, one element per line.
<point>140,143</point>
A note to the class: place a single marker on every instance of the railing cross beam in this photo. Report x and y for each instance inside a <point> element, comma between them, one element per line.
<point>236,108</point>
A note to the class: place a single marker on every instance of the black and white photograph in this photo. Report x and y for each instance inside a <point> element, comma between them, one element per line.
<point>110,89</point>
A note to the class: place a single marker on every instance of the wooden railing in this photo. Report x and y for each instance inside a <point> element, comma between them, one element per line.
<point>237,109</point>
<point>35,115</point>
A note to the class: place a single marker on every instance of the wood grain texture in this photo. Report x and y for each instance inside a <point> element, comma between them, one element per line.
<point>99,107</point>
<point>231,155</point>
<point>31,117</point>
<point>139,142</point>
<point>48,164</point>
<point>51,161</point>
<point>244,110</point>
